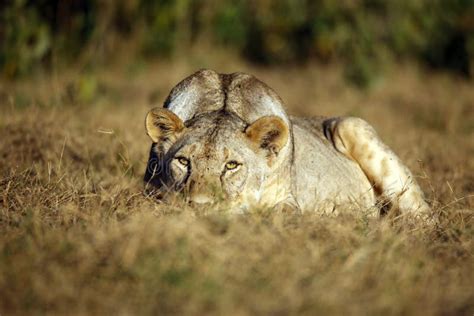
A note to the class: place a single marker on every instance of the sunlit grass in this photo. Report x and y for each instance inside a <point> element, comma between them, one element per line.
<point>79,236</point>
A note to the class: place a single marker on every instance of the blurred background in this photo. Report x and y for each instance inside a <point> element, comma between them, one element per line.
<point>365,37</point>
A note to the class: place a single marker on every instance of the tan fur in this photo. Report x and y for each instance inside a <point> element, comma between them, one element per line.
<point>359,141</point>
<point>270,133</point>
<point>311,164</point>
<point>161,123</point>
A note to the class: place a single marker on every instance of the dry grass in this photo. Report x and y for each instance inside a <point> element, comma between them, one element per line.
<point>79,237</point>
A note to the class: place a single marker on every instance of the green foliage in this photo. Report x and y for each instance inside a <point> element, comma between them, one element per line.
<point>364,35</point>
<point>26,38</point>
<point>160,31</point>
<point>230,24</point>
<point>33,30</point>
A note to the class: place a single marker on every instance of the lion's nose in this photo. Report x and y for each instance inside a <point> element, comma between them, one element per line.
<point>200,199</point>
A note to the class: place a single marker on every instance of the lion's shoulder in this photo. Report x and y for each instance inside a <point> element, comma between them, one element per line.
<point>313,126</point>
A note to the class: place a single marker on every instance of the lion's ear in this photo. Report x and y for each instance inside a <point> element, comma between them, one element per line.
<point>162,125</point>
<point>269,133</point>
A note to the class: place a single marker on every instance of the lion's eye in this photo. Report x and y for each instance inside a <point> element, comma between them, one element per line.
<point>183,161</point>
<point>231,165</point>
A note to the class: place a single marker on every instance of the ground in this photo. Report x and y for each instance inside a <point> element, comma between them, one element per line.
<point>78,236</point>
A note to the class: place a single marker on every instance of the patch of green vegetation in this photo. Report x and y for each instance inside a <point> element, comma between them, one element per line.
<point>364,35</point>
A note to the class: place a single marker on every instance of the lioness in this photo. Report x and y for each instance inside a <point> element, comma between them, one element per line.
<point>228,136</point>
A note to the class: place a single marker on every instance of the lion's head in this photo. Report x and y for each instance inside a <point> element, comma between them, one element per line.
<point>215,155</point>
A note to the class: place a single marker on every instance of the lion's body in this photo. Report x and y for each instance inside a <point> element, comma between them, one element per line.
<point>323,175</point>
<point>231,134</point>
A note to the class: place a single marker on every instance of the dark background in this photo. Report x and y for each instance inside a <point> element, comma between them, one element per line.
<point>365,36</point>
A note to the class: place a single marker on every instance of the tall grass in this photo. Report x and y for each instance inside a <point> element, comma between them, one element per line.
<point>78,236</point>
